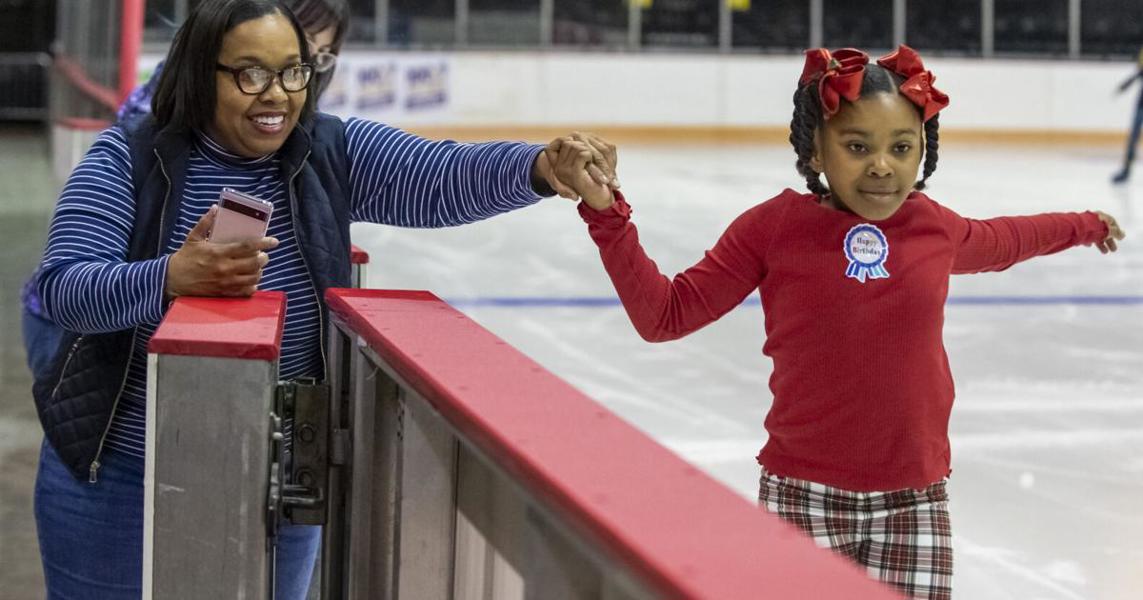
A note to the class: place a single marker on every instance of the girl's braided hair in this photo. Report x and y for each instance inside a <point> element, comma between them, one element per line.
<point>808,118</point>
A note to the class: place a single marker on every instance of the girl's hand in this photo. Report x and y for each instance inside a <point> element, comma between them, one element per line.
<point>1114,234</point>
<point>572,166</point>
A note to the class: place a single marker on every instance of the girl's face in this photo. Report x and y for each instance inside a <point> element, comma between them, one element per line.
<point>869,153</point>
<point>257,125</point>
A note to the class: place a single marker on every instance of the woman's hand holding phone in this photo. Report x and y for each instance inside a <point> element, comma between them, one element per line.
<point>204,268</point>
<point>240,217</point>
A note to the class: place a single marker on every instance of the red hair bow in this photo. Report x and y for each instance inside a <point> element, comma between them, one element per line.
<point>839,76</point>
<point>918,85</point>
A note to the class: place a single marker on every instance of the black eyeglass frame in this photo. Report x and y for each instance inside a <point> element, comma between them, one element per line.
<point>236,72</point>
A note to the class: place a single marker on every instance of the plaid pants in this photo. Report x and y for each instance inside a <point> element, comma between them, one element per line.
<point>903,538</point>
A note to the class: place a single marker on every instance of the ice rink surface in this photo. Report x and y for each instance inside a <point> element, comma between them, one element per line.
<point>1047,428</point>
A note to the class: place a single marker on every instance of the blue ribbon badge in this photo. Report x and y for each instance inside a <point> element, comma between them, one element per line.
<point>866,249</point>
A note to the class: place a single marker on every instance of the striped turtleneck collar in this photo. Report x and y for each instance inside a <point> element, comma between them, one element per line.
<point>213,152</point>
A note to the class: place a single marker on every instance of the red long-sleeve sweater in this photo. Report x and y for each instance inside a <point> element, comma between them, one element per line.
<point>861,383</point>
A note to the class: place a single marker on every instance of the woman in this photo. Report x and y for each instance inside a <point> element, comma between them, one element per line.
<point>232,108</point>
<point>325,23</point>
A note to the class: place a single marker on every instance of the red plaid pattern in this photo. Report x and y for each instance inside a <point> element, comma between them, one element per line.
<point>902,538</point>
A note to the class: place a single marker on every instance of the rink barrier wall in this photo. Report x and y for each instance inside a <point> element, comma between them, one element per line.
<point>458,467</point>
<point>476,473</point>
<point>683,135</point>
<point>650,98</point>
<point>212,382</point>
<point>212,371</point>
<point>683,98</point>
<point>673,97</point>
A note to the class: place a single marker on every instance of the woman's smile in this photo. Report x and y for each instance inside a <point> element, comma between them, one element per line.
<point>269,123</point>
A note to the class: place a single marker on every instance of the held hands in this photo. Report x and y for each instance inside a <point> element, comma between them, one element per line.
<point>202,268</point>
<point>1114,234</point>
<point>575,166</point>
<point>601,168</point>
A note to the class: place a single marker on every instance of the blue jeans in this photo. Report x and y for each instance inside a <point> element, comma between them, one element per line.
<point>41,340</point>
<point>91,535</point>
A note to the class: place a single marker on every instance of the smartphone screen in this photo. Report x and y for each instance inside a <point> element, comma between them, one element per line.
<point>240,217</point>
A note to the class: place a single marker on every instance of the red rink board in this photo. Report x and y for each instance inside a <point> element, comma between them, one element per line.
<point>685,534</point>
<point>249,328</point>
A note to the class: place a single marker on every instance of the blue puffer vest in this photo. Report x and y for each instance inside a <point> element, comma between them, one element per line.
<point>77,400</point>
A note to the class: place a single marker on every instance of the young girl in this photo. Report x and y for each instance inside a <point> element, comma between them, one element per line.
<point>853,279</point>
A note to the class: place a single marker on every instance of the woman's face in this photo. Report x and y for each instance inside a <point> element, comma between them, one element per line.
<point>257,125</point>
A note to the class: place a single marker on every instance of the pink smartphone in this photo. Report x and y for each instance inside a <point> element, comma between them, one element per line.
<point>240,217</point>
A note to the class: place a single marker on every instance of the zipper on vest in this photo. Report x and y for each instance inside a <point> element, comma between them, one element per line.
<point>67,361</point>
<point>93,470</point>
<point>294,226</point>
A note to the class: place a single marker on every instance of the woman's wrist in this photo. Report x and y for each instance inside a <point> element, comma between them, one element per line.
<point>538,178</point>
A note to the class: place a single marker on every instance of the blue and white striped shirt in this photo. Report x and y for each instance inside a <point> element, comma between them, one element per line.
<point>396,179</point>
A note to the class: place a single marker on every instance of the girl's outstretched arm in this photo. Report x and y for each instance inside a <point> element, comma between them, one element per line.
<point>998,243</point>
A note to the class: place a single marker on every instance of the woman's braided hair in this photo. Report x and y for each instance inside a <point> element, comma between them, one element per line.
<point>807,119</point>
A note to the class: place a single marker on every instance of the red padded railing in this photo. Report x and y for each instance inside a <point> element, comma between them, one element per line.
<point>249,328</point>
<point>228,327</point>
<point>684,534</point>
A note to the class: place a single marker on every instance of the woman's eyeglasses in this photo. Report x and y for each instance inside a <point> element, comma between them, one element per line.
<point>256,80</point>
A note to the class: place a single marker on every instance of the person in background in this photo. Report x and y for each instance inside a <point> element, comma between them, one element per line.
<point>1136,123</point>
<point>130,234</point>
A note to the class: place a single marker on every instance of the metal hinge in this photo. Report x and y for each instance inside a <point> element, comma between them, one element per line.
<point>303,458</point>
